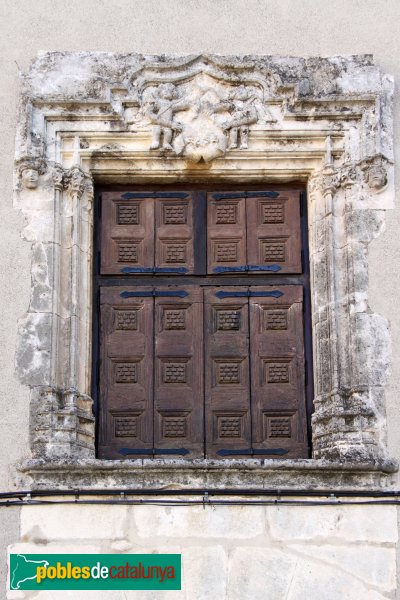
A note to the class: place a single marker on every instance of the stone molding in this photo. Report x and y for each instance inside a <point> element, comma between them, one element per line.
<point>99,118</point>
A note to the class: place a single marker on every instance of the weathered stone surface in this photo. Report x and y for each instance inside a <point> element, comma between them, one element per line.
<point>68,522</point>
<point>260,573</point>
<point>373,524</point>
<point>314,580</point>
<point>374,566</point>
<point>202,474</point>
<point>194,521</point>
<point>204,572</point>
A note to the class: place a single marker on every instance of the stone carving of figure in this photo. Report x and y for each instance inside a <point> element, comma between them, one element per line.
<point>160,110</point>
<point>29,169</point>
<point>243,113</point>
<point>30,178</point>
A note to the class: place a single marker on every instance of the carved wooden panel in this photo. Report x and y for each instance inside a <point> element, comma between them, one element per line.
<point>254,230</point>
<point>277,369</point>
<point>126,379</point>
<point>273,230</point>
<point>179,392</point>
<point>227,398</point>
<point>174,233</point>
<point>127,231</point>
<point>144,231</point>
<point>226,225</point>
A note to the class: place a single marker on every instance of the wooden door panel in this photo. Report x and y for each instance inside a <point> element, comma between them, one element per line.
<point>226,226</point>
<point>273,231</point>
<point>127,232</point>
<point>179,393</point>
<point>174,233</point>
<point>227,400</point>
<point>277,369</point>
<point>126,356</point>
<point>188,369</point>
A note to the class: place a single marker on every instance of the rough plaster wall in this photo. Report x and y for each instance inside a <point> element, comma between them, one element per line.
<point>299,27</point>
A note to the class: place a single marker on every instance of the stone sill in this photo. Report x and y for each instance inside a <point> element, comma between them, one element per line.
<point>162,474</point>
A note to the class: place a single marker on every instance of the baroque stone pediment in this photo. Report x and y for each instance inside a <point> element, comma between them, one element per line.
<point>200,108</point>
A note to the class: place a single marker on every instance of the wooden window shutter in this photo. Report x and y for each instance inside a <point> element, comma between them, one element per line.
<point>226,226</point>
<point>193,367</point>
<point>178,394</point>
<point>277,369</point>
<point>126,356</point>
<point>255,232</point>
<point>127,232</point>
<point>152,371</point>
<point>227,369</point>
<point>273,231</point>
<point>145,233</point>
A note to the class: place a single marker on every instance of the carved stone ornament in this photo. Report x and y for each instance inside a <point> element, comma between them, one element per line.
<point>375,172</point>
<point>140,119</point>
<point>29,170</point>
<point>201,120</point>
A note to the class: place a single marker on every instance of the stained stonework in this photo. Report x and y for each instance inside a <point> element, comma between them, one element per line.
<point>97,117</point>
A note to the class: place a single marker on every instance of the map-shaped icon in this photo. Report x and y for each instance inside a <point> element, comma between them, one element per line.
<point>24,570</point>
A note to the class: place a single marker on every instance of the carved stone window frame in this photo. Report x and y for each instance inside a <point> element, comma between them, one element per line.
<point>91,118</point>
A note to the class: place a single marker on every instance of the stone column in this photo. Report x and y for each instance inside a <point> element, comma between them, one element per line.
<point>348,420</point>
<point>62,418</point>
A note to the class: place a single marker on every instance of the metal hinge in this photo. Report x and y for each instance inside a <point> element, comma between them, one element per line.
<point>154,293</point>
<point>253,451</point>
<point>249,294</point>
<point>176,270</point>
<point>247,268</point>
<point>153,451</point>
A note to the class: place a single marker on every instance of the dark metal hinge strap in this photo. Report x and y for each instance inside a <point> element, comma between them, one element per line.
<point>253,452</point>
<point>153,451</point>
<point>249,294</point>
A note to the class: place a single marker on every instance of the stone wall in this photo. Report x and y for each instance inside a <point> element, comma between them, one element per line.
<point>231,553</point>
<point>344,552</point>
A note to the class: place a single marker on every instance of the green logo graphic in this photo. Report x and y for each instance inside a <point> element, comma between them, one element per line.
<point>95,572</point>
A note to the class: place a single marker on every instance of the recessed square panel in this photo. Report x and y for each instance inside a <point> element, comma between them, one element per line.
<point>229,426</point>
<point>174,252</point>
<point>277,371</point>
<point>228,320</point>
<point>228,373</point>
<point>174,318</point>
<point>128,252</point>
<point>126,320</point>
<point>273,250</point>
<point>225,251</point>
<point>126,372</point>
<point>275,318</point>
<point>128,214</point>
<point>174,372</point>
<point>175,214</point>
<point>226,214</point>
<point>174,427</point>
<point>125,426</point>
<point>278,425</point>
<point>273,212</point>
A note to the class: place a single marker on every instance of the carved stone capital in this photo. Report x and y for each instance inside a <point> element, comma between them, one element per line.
<point>58,175</point>
<point>326,181</point>
<point>375,171</point>
<point>74,181</point>
<point>29,170</point>
<point>330,179</point>
<point>62,423</point>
